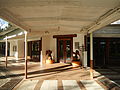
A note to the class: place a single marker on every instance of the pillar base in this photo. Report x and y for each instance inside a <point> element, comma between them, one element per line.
<point>91,69</point>
<point>6,61</point>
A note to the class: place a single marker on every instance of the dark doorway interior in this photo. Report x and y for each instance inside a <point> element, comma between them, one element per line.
<point>34,50</point>
<point>106,52</point>
<point>2,49</point>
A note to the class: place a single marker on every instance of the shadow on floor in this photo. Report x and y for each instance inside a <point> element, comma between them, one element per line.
<point>44,71</point>
<point>111,77</point>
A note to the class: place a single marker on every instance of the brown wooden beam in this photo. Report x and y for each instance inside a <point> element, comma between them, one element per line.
<point>91,69</point>
<point>65,36</point>
<point>6,61</point>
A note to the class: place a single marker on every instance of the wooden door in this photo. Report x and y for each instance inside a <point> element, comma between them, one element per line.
<point>34,50</point>
<point>64,49</point>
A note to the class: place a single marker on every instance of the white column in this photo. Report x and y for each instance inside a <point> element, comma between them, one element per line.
<point>91,46</point>
<point>85,53</point>
<point>91,55</point>
<point>6,53</point>
<point>41,59</point>
<point>25,55</point>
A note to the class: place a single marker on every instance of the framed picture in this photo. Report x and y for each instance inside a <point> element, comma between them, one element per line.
<point>76,45</point>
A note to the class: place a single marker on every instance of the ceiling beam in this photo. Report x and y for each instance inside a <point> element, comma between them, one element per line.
<point>8,16</point>
<point>106,19</point>
<point>64,18</point>
<point>55,25</point>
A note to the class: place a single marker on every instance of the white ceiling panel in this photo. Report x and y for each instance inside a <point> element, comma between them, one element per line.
<point>69,15</point>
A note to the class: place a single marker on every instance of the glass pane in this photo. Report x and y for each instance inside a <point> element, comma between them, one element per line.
<point>68,50</point>
<point>35,46</point>
<point>61,49</point>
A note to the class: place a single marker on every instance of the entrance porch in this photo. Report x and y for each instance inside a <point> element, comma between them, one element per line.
<point>58,75</point>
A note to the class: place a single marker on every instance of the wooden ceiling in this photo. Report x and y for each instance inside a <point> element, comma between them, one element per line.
<point>75,16</point>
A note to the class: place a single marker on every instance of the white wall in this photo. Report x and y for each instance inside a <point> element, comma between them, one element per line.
<point>80,39</point>
<point>14,53</point>
<point>19,53</point>
<point>45,46</point>
<point>20,48</point>
<point>50,43</point>
<point>53,47</point>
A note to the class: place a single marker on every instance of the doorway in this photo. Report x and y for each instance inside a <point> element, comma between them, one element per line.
<point>64,50</point>
<point>106,51</point>
<point>34,49</point>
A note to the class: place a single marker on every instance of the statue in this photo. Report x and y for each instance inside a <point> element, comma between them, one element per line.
<point>49,57</point>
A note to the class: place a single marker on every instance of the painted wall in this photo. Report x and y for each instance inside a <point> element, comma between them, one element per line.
<point>14,48</point>
<point>45,46</point>
<point>50,43</point>
<point>80,39</point>
<point>17,49</point>
<point>20,49</point>
<point>53,47</point>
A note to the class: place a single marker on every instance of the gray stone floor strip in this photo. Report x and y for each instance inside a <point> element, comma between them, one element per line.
<point>28,85</point>
<point>91,85</point>
<point>70,85</point>
<point>49,85</point>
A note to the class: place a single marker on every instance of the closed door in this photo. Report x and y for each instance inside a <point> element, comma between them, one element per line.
<point>64,49</point>
<point>34,49</point>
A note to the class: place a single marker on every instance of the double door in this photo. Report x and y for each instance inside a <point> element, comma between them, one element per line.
<point>64,50</point>
<point>34,49</point>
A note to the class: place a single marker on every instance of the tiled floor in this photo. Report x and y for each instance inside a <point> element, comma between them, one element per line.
<point>110,78</point>
<point>57,76</point>
<point>54,85</point>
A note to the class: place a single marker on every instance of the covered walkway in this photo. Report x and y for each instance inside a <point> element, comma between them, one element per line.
<point>46,71</point>
<point>57,76</point>
<point>60,26</point>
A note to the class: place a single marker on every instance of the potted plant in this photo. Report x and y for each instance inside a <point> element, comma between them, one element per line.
<point>49,59</point>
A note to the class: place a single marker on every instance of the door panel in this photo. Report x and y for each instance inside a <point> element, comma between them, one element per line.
<point>61,50</point>
<point>68,50</point>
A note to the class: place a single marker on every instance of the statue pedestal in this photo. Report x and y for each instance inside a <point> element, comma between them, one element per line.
<point>48,61</point>
<point>76,63</point>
